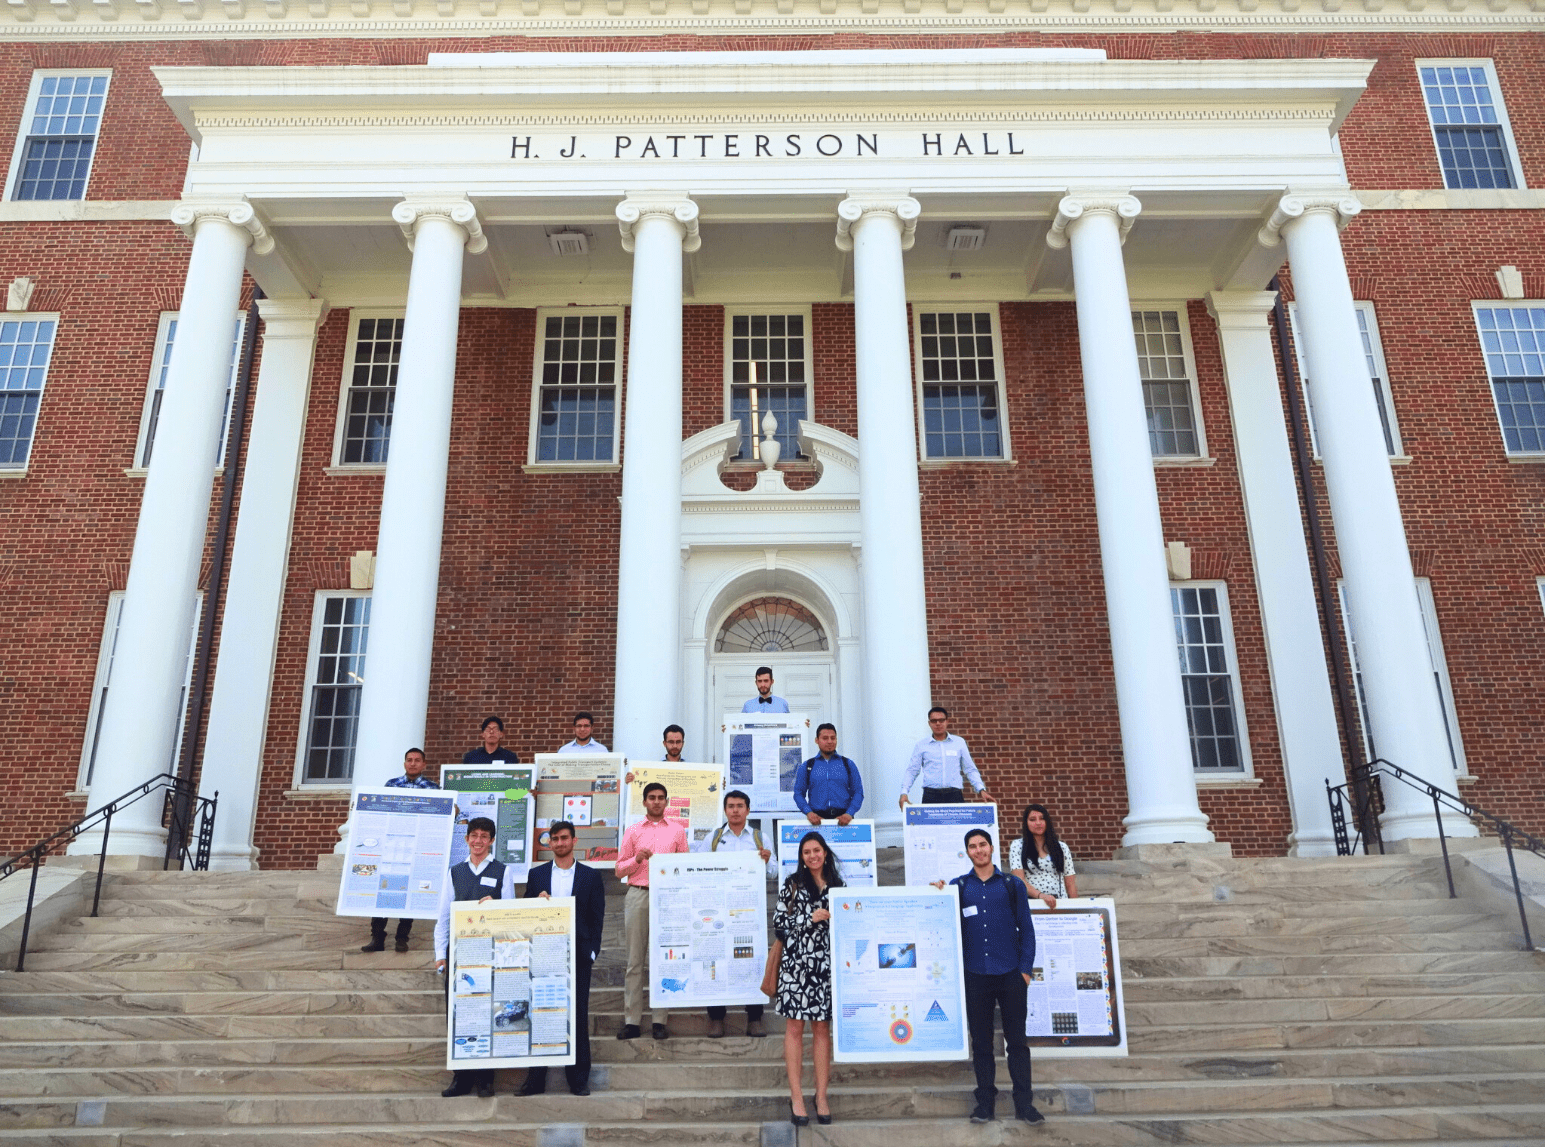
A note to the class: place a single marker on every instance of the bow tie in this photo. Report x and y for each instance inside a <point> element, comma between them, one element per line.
<point>764,700</point>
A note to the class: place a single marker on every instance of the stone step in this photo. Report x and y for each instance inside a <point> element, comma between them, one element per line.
<point>1389,963</point>
<point>1145,989</point>
<point>1481,940</point>
<point>210,1003</point>
<point>402,978</point>
<point>1387,1033</point>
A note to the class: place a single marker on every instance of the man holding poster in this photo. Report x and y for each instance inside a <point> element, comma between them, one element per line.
<point>654,834</point>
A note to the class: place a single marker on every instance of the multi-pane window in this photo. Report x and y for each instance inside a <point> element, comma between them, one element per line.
<point>340,632</point>
<point>957,357</point>
<point>26,344</point>
<point>372,390</point>
<point>1168,393</point>
<point>1205,646</point>
<point>769,373</point>
<point>1468,124</point>
<point>1378,377</point>
<point>166,337</point>
<point>578,363</point>
<point>61,127</point>
<point>1513,341</point>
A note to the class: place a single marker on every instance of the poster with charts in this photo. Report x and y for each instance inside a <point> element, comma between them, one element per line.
<point>933,839</point>
<point>762,752</point>
<point>502,793</point>
<point>898,979</point>
<point>1074,1001</point>
<point>707,929</point>
<point>693,797</point>
<point>852,844</point>
<point>512,984</point>
<point>587,785</point>
<point>398,855</point>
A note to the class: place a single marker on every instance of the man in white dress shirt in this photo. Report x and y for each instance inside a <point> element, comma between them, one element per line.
<point>944,763</point>
<point>764,701</point>
<point>582,742</point>
<point>735,835</point>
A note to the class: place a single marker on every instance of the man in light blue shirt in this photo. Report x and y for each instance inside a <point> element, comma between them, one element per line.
<point>764,701</point>
<point>583,742</point>
<point>944,762</point>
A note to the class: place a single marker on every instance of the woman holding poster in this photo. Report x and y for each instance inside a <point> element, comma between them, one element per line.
<point>1041,860</point>
<point>803,922</point>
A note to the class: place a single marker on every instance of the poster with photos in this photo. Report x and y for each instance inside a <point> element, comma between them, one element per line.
<point>584,789</point>
<point>1074,1005</point>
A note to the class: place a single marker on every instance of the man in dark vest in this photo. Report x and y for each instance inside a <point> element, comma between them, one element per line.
<point>479,877</point>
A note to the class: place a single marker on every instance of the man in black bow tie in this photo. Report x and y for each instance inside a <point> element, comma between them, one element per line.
<point>764,701</point>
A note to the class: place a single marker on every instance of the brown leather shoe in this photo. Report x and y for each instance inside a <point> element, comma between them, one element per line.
<point>756,1028</point>
<point>715,1029</point>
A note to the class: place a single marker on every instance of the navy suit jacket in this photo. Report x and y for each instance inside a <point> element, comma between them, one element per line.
<point>589,902</point>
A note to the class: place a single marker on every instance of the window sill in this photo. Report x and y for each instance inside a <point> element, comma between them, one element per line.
<point>1526,459</point>
<point>82,795</point>
<point>350,471</point>
<point>946,463</point>
<point>1230,782</point>
<point>319,793</point>
<point>571,468</point>
<point>1175,463</point>
<point>1395,459</point>
<point>1465,779</point>
<point>141,471</point>
<point>17,473</point>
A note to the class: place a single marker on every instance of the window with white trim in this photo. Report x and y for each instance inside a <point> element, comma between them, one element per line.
<point>26,346</point>
<point>1209,676</point>
<point>369,388</point>
<point>91,746</point>
<point>1169,383</point>
<point>59,135</point>
<point>577,382</point>
<point>1513,343</point>
<point>335,678</point>
<point>1378,376</point>
<point>166,336</point>
<point>959,356</point>
<point>767,357</point>
<point>1469,124</point>
<point>1436,660</point>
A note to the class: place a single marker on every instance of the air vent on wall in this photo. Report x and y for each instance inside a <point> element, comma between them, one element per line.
<point>569,243</point>
<point>965,239</point>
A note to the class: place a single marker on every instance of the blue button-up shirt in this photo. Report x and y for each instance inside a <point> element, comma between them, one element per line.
<point>771,705</point>
<point>991,937</point>
<point>942,764</point>
<point>419,782</point>
<point>831,783</point>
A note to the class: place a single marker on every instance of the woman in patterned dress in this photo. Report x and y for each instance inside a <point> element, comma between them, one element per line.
<point>1041,860</point>
<point>802,922</point>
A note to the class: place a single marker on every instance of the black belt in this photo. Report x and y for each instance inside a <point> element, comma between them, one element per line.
<point>830,813</point>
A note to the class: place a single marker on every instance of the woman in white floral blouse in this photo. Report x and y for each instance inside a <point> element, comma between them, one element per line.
<point>1049,873</point>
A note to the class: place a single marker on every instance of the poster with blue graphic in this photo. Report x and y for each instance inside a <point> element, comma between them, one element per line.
<point>933,838</point>
<point>707,929</point>
<point>898,977</point>
<point>852,844</point>
<point>398,856</point>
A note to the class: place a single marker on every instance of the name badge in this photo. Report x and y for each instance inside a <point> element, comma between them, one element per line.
<point>951,753</point>
<point>487,881</point>
<point>968,910</point>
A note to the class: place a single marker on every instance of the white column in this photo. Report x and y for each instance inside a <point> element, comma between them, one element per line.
<point>1404,708</point>
<point>140,724</point>
<point>1155,740</point>
<point>1290,618</point>
<point>897,684</point>
<point>656,229</point>
<point>260,558</point>
<point>400,644</point>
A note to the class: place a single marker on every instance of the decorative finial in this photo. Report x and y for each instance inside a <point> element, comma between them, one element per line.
<point>771,447</point>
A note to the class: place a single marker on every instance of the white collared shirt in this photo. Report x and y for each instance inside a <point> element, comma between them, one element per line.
<point>443,921</point>
<point>590,746</point>
<point>562,883</point>
<point>744,841</point>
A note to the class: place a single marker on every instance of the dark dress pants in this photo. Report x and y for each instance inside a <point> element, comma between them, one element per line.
<point>1007,993</point>
<point>578,1072</point>
<point>944,796</point>
<point>378,928</point>
<point>753,1012</point>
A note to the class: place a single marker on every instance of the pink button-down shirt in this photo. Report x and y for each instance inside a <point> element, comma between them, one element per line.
<point>661,836</point>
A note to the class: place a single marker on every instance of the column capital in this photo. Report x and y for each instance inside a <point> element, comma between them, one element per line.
<point>1070,208</point>
<point>411,212</point>
<point>634,209</point>
<point>189,213</point>
<point>292,318</point>
<point>1241,310</point>
<point>855,207</point>
<point>1341,204</point>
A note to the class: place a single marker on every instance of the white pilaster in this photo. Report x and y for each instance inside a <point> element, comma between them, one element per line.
<point>400,646</point>
<point>1155,741</point>
<point>139,727</point>
<point>249,628</point>
<point>656,229</point>
<point>1290,619</point>
<point>897,686</point>
<point>1404,708</point>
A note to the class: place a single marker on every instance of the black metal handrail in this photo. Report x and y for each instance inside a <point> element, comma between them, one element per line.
<point>189,841</point>
<point>1368,816</point>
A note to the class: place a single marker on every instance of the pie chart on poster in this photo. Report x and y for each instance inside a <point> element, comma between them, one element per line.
<point>901,1032</point>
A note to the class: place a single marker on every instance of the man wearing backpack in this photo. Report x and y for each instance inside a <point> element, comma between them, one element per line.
<point>734,835</point>
<point>827,786</point>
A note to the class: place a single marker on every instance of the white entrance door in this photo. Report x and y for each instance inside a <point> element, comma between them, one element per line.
<point>806,683</point>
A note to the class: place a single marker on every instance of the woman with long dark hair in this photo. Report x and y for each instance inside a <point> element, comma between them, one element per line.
<point>1040,859</point>
<point>802,922</point>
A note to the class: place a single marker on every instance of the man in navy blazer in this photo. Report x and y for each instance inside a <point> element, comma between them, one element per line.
<point>565,876</point>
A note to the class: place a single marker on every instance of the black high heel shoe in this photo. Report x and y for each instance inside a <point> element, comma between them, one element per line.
<point>823,1120</point>
<point>797,1120</point>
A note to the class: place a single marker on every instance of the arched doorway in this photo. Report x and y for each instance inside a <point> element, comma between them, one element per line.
<point>787,636</point>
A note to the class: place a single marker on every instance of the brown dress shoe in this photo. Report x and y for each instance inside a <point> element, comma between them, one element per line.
<point>756,1028</point>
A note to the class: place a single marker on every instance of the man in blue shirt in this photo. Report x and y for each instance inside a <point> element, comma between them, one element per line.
<point>828,787</point>
<point>998,941</point>
<point>764,701</point>
<point>413,764</point>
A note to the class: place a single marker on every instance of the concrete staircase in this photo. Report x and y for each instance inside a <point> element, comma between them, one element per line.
<point>1268,1001</point>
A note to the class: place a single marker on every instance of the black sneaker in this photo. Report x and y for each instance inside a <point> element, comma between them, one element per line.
<point>659,1032</point>
<point>629,1031</point>
<point>983,1114</point>
<point>457,1087</point>
<point>1030,1115</point>
<point>485,1091</point>
<point>374,946</point>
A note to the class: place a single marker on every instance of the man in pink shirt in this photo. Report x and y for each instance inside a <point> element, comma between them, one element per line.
<point>639,843</point>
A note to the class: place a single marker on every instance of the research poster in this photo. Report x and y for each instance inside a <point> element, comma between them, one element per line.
<point>762,752</point>
<point>694,794</point>
<point>512,984</point>
<point>501,793</point>
<point>933,839</point>
<point>851,843</point>
<point>1075,1006</point>
<point>898,978</point>
<point>398,854</point>
<point>707,929</point>
<point>584,788</point>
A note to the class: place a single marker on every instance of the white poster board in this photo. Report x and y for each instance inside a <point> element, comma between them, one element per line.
<point>898,976</point>
<point>1074,1001</point>
<point>398,856</point>
<point>852,844</point>
<point>762,753</point>
<point>707,929</point>
<point>502,793</point>
<point>933,839</point>
<point>580,787</point>
<point>511,1000</point>
<point>694,796</point>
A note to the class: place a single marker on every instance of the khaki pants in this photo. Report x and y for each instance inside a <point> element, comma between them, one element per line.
<point>635,985</point>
